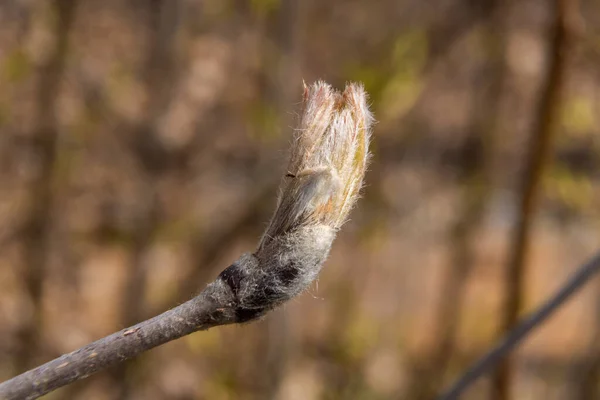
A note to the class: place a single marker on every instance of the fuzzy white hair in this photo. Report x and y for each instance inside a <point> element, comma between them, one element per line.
<point>329,156</point>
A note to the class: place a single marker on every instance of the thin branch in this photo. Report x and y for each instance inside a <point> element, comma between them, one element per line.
<point>328,161</point>
<point>36,229</point>
<point>538,153</point>
<point>582,276</point>
<point>475,174</point>
<point>202,312</point>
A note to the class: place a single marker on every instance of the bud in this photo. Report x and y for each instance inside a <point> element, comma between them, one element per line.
<point>328,160</point>
<point>325,173</point>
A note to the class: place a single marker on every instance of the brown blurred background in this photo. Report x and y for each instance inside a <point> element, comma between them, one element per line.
<point>141,142</point>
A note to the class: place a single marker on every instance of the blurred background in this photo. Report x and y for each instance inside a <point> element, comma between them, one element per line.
<point>142,141</point>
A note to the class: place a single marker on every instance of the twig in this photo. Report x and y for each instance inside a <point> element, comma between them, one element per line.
<point>475,174</point>
<point>36,229</point>
<point>501,350</point>
<point>200,313</point>
<point>538,153</point>
<point>328,160</point>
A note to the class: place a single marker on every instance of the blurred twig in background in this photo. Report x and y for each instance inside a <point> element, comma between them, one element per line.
<point>153,162</point>
<point>501,351</point>
<point>36,230</point>
<point>474,174</point>
<point>560,37</point>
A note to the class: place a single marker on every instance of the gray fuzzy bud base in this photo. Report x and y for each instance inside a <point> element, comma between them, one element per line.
<point>282,269</point>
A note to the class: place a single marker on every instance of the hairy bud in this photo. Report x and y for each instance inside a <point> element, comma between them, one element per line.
<point>325,173</point>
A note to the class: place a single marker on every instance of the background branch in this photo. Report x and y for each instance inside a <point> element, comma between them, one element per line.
<point>545,124</point>
<point>520,332</point>
<point>37,229</point>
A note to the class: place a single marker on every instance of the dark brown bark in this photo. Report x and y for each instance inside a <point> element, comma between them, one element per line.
<point>545,124</point>
<point>36,229</point>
